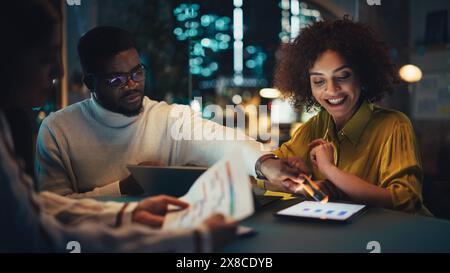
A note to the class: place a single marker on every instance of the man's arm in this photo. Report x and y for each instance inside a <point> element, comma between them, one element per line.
<point>202,142</point>
<point>53,175</point>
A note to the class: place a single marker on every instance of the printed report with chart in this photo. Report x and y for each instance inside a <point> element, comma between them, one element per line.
<point>224,188</point>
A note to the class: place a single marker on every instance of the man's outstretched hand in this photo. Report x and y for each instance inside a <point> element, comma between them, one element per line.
<point>283,174</point>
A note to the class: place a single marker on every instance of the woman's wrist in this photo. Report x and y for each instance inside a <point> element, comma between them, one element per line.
<point>329,171</point>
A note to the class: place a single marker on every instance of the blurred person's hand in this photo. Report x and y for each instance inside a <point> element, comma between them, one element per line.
<point>221,231</point>
<point>151,211</point>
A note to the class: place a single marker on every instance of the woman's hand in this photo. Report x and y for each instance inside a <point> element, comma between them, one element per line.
<point>322,155</point>
<point>347,186</point>
<point>333,192</point>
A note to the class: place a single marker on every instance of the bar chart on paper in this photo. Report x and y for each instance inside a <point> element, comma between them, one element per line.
<point>214,197</point>
<point>215,192</point>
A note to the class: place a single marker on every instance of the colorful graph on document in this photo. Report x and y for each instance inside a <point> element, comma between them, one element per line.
<point>211,198</point>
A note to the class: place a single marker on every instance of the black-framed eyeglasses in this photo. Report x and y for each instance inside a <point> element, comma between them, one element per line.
<point>119,80</point>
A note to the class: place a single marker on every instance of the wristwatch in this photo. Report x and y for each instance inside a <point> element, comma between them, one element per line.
<point>259,174</point>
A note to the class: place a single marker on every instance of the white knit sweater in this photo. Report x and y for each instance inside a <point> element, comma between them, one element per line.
<point>83,149</point>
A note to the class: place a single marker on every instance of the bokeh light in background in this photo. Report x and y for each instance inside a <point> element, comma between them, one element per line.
<point>217,35</point>
<point>410,73</point>
<point>191,51</point>
<point>295,15</point>
<point>269,93</point>
<point>205,33</point>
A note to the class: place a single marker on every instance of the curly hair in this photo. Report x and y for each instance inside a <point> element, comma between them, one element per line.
<point>357,43</point>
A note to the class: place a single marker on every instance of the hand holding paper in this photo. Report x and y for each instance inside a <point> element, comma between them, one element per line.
<point>224,188</point>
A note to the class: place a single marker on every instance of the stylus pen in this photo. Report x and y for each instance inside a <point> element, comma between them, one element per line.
<point>313,190</point>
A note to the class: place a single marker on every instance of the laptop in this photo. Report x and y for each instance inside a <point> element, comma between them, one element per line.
<point>170,180</point>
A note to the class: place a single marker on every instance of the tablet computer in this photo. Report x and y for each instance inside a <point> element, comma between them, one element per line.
<point>335,212</point>
<point>170,180</point>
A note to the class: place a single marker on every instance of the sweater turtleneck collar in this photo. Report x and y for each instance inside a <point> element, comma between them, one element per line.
<point>112,119</point>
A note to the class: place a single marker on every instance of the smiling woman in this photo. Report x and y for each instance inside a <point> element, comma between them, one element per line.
<point>356,149</point>
<point>356,43</point>
<point>335,87</point>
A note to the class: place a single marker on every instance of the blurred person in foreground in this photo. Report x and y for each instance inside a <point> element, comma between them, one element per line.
<point>46,222</point>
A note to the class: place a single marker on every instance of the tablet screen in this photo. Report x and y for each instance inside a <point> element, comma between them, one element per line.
<point>330,210</point>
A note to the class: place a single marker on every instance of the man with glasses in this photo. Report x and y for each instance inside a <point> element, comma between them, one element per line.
<point>83,150</point>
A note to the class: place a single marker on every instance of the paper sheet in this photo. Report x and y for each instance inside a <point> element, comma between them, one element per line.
<point>224,188</point>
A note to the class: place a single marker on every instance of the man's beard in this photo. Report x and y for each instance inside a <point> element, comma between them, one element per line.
<point>117,108</point>
<point>130,113</point>
<point>133,112</point>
